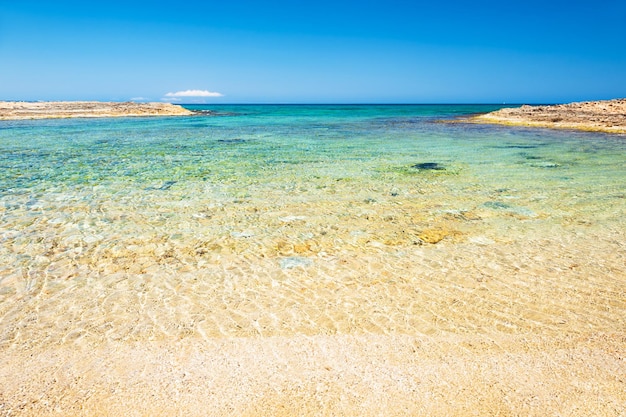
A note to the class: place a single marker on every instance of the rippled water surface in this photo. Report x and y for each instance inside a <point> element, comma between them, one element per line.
<point>281,220</point>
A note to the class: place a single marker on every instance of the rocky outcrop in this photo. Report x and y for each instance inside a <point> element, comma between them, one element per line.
<point>605,116</point>
<point>20,110</point>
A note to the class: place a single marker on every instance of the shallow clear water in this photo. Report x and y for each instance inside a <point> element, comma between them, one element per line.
<point>273,220</point>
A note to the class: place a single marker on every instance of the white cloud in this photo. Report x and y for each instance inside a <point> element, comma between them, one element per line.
<point>139,99</point>
<point>194,93</point>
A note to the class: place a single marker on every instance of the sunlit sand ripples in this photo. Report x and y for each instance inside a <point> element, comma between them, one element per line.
<point>251,268</point>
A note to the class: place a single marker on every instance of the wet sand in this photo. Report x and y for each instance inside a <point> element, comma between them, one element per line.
<point>20,110</point>
<point>352,375</point>
<point>602,116</point>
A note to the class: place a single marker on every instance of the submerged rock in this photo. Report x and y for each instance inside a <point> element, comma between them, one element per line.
<point>481,240</point>
<point>245,234</point>
<point>521,211</point>
<point>546,164</point>
<point>429,166</point>
<point>165,186</point>
<point>497,205</point>
<point>292,219</point>
<point>514,146</point>
<point>433,235</point>
<point>294,262</point>
<point>233,140</point>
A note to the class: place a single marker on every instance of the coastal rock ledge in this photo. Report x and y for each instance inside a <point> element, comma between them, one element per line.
<point>602,116</point>
<point>21,110</point>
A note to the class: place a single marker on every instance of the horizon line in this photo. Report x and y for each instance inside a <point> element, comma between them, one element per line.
<point>365,103</point>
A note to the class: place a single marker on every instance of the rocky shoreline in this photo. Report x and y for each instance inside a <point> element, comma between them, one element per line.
<point>602,116</point>
<point>21,110</point>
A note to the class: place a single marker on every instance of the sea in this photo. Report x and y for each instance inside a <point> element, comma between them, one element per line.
<point>253,221</point>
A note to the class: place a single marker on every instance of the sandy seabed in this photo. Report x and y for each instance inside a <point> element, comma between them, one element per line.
<point>532,327</point>
<point>282,303</point>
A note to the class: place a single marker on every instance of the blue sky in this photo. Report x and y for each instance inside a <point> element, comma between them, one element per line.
<point>278,51</point>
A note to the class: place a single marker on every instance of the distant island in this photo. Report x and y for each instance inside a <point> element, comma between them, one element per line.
<point>602,116</point>
<point>22,110</point>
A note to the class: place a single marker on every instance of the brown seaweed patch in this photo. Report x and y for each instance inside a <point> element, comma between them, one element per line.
<point>433,235</point>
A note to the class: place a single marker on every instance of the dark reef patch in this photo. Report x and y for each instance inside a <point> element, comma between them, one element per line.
<point>429,166</point>
<point>233,140</point>
<point>513,146</point>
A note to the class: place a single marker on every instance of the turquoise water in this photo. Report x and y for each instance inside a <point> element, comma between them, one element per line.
<point>247,151</point>
<point>243,144</point>
<point>164,220</point>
